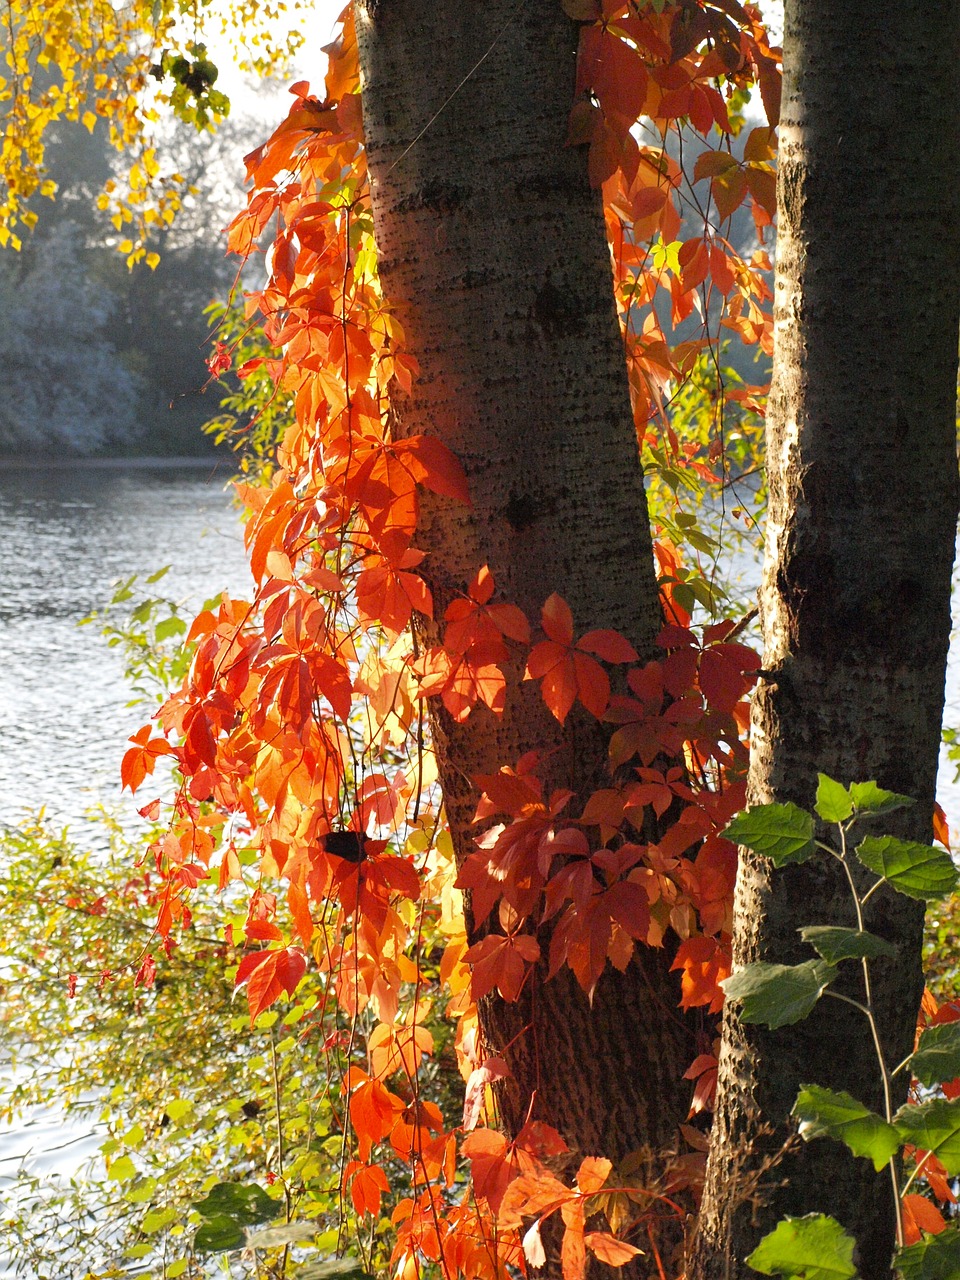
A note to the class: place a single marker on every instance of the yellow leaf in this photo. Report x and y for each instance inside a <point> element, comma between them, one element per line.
<point>125,246</point>
<point>89,121</point>
<point>153,261</point>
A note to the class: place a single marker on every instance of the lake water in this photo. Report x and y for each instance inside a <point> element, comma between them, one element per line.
<point>67,534</point>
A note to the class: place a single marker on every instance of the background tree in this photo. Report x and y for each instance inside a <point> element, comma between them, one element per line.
<point>855,603</point>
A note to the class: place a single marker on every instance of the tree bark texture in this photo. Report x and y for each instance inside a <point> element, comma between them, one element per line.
<point>855,601</point>
<point>493,255</point>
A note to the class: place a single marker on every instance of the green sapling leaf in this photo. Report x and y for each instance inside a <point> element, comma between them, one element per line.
<point>932,1258</point>
<point>823,1113</point>
<point>781,832</point>
<point>937,1057</point>
<point>933,1126</point>
<point>776,995</point>
<point>815,1247</point>
<point>834,802</point>
<point>835,943</point>
<point>229,1209</point>
<point>918,870</point>
<point>869,798</point>
<point>219,1234</point>
<point>333,1269</point>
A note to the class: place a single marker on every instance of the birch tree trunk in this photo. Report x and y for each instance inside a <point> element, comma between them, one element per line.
<point>493,254</point>
<point>855,602</point>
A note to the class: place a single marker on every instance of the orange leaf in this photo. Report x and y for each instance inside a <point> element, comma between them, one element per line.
<point>492,1165</point>
<point>433,465</point>
<point>705,963</point>
<point>593,1173</point>
<point>921,1214</point>
<point>609,1249</point>
<point>268,974</point>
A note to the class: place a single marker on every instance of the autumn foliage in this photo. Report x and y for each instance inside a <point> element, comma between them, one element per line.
<point>300,735</point>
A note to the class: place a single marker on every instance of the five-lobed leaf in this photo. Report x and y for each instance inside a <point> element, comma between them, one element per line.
<point>781,832</point>
<point>937,1055</point>
<point>815,1247</point>
<point>918,870</point>
<point>933,1126</point>
<point>777,995</point>
<point>824,1113</point>
<point>836,943</point>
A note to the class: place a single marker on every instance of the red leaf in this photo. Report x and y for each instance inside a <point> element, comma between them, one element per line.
<point>501,962</point>
<point>268,974</point>
<point>433,465</point>
<point>557,620</point>
<point>611,646</point>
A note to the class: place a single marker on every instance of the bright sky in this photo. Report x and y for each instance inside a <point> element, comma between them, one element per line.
<point>268,101</point>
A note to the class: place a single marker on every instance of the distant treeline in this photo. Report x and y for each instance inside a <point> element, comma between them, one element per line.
<point>96,359</point>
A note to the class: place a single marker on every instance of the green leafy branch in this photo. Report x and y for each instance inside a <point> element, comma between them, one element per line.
<point>816,1247</point>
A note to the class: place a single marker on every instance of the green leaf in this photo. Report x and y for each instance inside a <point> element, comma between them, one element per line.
<point>248,1204</point>
<point>869,798</point>
<point>834,803</point>
<point>777,995</point>
<point>918,870</point>
<point>781,832</point>
<point>825,1114</point>
<point>284,1233</point>
<point>835,943</point>
<point>333,1269</point>
<point>937,1057</point>
<point>933,1126</point>
<point>219,1234</point>
<point>229,1209</point>
<point>932,1258</point>
<point>122,1170</point>
<point>812,1248</point>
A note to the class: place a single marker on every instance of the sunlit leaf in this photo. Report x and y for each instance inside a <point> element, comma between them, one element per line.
<point>781,832</point>
<point>918,870</point>
<point>824,1113</point>
<point>812,1248</point>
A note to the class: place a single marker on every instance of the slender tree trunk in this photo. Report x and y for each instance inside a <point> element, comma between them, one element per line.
<point>855,599</point>
<point>493,255</point>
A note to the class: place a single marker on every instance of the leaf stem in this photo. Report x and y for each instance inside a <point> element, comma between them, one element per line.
<point>874,1030</point>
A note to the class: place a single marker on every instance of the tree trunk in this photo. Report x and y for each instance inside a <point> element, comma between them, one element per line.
<point>855,600</point>
<point>494,258</point>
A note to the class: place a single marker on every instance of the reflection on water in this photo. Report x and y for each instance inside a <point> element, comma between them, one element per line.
<point>67,534</point>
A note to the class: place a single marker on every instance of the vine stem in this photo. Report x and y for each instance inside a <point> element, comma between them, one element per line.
<point>874,1030</point>
<point>280,1151</point>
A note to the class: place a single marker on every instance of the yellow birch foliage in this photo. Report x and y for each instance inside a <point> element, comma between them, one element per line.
<point>78,62</point>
